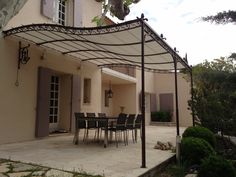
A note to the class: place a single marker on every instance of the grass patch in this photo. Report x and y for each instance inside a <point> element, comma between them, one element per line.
<point>37,168</point>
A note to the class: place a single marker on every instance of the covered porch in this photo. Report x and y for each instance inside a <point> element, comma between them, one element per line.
<point>131,43</point>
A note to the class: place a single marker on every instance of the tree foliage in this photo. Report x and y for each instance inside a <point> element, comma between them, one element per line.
<point>117,8</point>
<point>8,9</point>
<point>224,17</point>
<point>214,94</point>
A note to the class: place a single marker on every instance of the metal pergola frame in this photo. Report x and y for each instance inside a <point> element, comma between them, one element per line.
<point>107,46</point>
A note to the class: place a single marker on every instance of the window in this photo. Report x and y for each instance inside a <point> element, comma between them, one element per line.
<point>59,7</point>
<point>62,12</point>
<point>106,98</point>
<point>87,90</point>
<point>54,99</point>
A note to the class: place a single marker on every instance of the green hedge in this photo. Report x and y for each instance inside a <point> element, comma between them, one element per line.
<point>193,150</point>
<point>201,132</point>
<point>161,116</point>
<point>216,166</point>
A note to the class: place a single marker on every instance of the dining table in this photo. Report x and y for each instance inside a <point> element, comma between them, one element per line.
<point>107,122</point>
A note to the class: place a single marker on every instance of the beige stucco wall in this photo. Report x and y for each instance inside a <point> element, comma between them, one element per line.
<point>90,9</point>
<point>108,110</point>
<point>149,81</point>
<point>149,89</point>
<point>94,73</point>
<point>18,104</point>
<point>124,95</point>
<point>164,83</point>
<point>31,14</point>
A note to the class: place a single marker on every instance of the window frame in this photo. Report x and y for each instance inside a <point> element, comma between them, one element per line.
<point>62,10</point>
<point>58,11</point>
<point>87,90</point>
<point>54,107</point>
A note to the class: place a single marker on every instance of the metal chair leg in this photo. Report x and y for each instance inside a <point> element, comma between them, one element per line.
<point>116,139</point>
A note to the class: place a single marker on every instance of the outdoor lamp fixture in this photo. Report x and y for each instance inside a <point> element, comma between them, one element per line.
<point>23,58</point>
<point>23,55</point>
<point>110,93</point>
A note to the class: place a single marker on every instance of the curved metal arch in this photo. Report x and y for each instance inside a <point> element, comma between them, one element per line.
<point>75,30</point>
<point>120,54</point>
<point>111,58</point>
<point>96,43</point>
<point>138,66</point>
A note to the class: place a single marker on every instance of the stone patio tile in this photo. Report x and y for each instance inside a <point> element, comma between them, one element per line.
<point>2,175</point>
<point>58,173</point>
<point>18,174</point>
<point>17,167</point>
<point>4,168</point>
<point>191,175</point>
<point>6,163</point>
<point>38,173</point>
<point>2,160</point>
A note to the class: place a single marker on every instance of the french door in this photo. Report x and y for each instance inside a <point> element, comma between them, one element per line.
<point>54,103</point>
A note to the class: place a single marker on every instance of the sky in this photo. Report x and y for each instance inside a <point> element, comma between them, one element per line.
<point>179,21</point>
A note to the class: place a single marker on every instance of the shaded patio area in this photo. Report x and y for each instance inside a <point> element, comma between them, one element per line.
<point>59,152</point>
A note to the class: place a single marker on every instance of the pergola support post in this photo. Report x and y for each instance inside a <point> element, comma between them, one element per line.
<point>192,107</point>
<point>143,95</point>
<point>178,138</point>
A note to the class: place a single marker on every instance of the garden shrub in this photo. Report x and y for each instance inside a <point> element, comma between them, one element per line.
<point>216,166</point>
<point>161,116</point>
<point>225,147</point>
<point>193,150</point>
<point>201,132</point>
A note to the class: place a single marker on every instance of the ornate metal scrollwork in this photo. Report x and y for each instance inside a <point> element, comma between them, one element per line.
<point>23,56</point>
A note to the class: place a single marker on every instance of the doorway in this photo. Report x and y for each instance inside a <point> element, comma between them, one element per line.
<point>58,97</point>
<point>54,111</point>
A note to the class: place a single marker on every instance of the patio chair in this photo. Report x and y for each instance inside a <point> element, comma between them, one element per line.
<point>91,124</point>
<point>80,123</point>
<point>120,127</point>
<point>130,125</point>
<point>101,124</point>
<point>138,125</point>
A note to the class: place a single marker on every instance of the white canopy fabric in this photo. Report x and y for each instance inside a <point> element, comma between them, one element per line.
<point>114,45</point>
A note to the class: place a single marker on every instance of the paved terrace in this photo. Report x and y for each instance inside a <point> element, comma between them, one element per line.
<point>124,161</point>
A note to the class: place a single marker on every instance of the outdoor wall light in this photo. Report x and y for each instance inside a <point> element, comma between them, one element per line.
<point>110,93</point>
<point>23,54</point>
<point>23,58</point>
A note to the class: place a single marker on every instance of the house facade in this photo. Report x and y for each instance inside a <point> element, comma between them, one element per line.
<point>41,96</point>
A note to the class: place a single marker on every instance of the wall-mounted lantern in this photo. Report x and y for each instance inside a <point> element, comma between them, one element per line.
<point>23,55</point>
<point>110,93</point>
